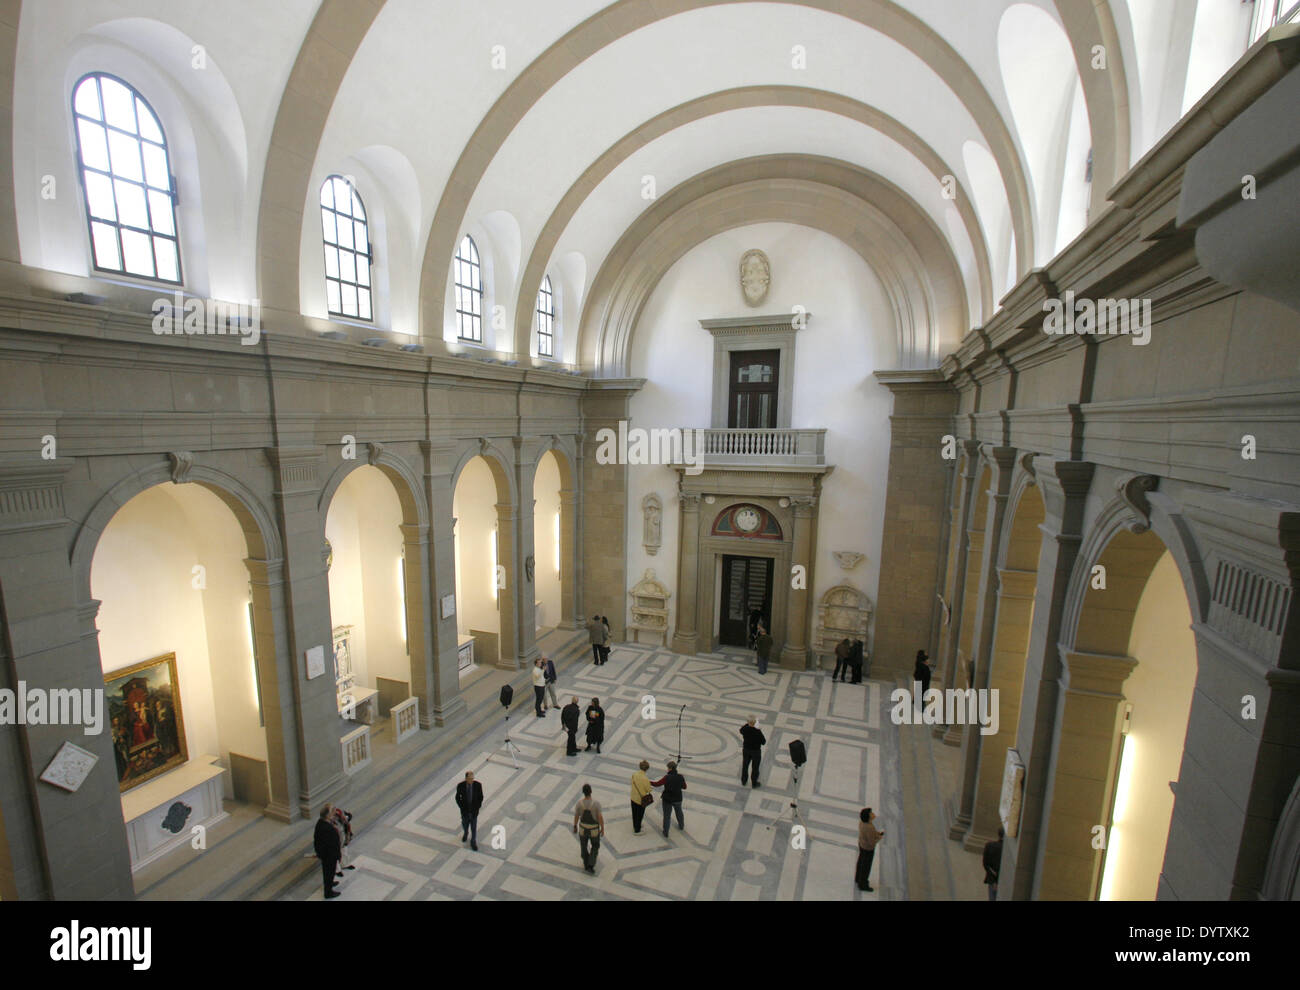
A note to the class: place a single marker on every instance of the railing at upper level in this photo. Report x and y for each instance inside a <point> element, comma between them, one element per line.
<point>764,448</point>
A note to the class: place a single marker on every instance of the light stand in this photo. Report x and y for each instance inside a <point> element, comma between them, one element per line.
<point>679,736</point>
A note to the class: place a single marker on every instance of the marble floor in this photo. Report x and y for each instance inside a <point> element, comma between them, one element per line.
<point>739,843</point>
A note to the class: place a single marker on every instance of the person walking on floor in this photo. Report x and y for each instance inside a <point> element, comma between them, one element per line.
<point>921,677</point>
<point>868,837</point>
<point>548,674</point>
<point>342,821</point>
<point>673,784</point>
<point>763,646</point>
<point>328,849</point>
<point>855,661</point>
<point>596,632</point>
<point>589,826</point>
<point>993,862</point>
<point>841,660</point>
<point>569,719</point>
<point>469,798</point>
<point>595,724</point>
<point>539,688</point>
<point>641,796</point>
<point>751,750</point>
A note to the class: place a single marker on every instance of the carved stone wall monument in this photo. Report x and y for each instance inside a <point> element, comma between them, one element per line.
<point>652,511</point>
<point>755,276</point>
<point>649,609</point>
<point>844,613</point>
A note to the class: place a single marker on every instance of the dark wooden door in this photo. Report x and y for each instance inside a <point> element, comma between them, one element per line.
<point>751,397</point>
<point>746,585</point>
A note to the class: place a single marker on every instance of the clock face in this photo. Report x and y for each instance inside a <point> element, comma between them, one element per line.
<point>747,520</point>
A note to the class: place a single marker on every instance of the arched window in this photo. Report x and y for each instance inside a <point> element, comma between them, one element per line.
<point>127,179</point>
<point>469,291</point>
<point>347,249</point>
<point>546,319</point>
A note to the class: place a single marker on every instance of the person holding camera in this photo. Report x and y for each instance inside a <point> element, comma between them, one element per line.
<point>868,837</point>
<point>751,750</point>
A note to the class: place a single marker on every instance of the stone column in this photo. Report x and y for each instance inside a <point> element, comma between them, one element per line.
<point>1064,487</point>
<point>508,605</point>
<point>1002,460</point>
<point>421,608</point>
<point>1087,734</point>
<point>446,704</point>
<point>685,634</point>
<point>60,844</point>
<point>915,509</point>
<point>947,657</point>
<point>276,678</point>
<point>570,561</point>
<point>794,654</point>
<point>603,529</point>
<point>525,598</point>
<point>297,493</point>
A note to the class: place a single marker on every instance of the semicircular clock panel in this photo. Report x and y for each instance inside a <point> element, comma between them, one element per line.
<point>747,521</point>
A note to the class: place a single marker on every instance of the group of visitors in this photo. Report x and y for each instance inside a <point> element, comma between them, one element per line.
<point>598,629</point>
<point>333,835</point>
<point>848,659</point>
<point>589,819</point>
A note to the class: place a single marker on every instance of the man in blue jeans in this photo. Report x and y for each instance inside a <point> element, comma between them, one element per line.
<point>673,784</point>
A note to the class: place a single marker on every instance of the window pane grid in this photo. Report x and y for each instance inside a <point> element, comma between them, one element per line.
<point>126,181</point>
<point>469,291</point>
<point>347,250</point>
<point>546,319</point>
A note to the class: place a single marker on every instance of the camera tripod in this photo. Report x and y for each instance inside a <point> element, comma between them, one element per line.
<point>795,817</point>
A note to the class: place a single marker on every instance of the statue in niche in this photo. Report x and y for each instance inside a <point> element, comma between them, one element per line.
<point>755,276</point>
<point>652,509</point>
<point>530,567</point>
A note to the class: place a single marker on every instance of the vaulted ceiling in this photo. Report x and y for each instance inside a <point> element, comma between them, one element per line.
<point>954,139</point>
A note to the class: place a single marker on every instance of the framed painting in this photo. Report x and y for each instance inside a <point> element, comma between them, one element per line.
<point>144,711</point>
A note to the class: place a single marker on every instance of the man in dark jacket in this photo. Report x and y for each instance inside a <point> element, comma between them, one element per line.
<point>751,750</point>
<point>842,651</point>
<point>596,632</point>
<point>993,863</point>
<point>855,661</point>
<point>469,798</point>
<point>569,719</point>
<point>673,784</point>
<point>328,849</point>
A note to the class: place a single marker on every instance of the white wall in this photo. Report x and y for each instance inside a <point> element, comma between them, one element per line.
<point>474,506</point>
<point>850,334</point>
<point>546,493</point>
<point>142,574</point>
<point>363,528</point>
<point>1160,690</point>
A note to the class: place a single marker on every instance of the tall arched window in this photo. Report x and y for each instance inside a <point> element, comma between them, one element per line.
<point>347,249</point>
<point>469,291</point>
<point>127,179</point>
<point>546,319</point>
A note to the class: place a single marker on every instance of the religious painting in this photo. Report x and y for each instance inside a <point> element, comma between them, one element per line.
<point>144,710</point>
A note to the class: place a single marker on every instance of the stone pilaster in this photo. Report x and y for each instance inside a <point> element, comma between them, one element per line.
<point>277,683</point>
<point>604,506</point>
<point>446,704</point>
<point>915,510</point>
<point>297,490</point>
<point>794,654</point>
<point>59,844</point>
<point>967,478</point>
<point>420,610</point>
<point>510,607</point>
<point>686,631</point>
<point>570,560</point>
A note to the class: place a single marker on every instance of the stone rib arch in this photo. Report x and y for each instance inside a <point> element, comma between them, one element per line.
<point>498,462</point>
<point>917,267</point>
<point>405,483</point>
<point>257,522</point>
<point>1022,481</point>
<point>721,102</point>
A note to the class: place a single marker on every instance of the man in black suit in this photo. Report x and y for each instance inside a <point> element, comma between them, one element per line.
<point>993,863</point>
<point>569,719</point>
<point>751,750</point>
<point>469,798</point>
<point>328,849</point>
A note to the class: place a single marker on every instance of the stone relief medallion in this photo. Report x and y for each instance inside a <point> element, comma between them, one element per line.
<point>755,276</point>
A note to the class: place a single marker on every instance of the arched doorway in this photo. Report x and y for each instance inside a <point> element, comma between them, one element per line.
<point>485,570</point>
<point>554,505</point>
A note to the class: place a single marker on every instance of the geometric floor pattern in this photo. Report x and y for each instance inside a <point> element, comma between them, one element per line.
<point>738,844</point>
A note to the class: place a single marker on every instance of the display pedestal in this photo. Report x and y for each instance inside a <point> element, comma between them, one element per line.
<point>145,809</point>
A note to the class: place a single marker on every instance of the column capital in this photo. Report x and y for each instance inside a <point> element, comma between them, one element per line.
<point>31,492</point>
<point>1095,673</point>
<point>1014,583</point>
<point>295,469</point>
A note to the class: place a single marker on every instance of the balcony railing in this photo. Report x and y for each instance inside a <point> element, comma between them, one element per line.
<point>766,448</point>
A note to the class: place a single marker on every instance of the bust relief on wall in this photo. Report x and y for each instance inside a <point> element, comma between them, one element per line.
<point>755,276</point>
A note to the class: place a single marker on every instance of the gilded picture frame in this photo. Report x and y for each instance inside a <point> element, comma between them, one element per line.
<point>145,720</point>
